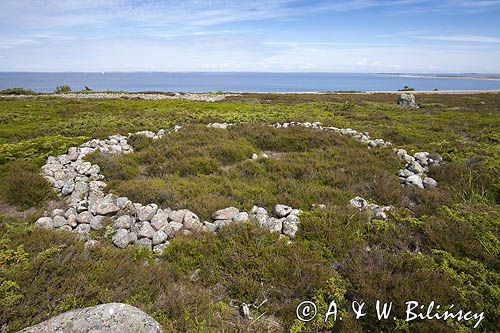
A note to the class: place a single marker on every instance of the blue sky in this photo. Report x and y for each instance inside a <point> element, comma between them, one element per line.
<point>448,36</point>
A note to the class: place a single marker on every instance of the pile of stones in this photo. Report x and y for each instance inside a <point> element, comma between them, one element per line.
<point>375,211</point>
<point>89,208</point>
<point>416,166</point>
<point>358,136</point>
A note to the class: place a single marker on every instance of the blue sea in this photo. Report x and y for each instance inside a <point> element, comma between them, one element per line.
<point>237,82</point>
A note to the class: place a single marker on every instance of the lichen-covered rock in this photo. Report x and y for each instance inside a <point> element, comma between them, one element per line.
<point>225,214</point>
<point>45,222</point>
<point>415,180</point>
<point>120,238</point>
<point>104,318</point>
<point>407,100</point>
<point>281,211</point>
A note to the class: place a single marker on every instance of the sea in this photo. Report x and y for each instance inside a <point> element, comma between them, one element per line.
<point>242,81</point>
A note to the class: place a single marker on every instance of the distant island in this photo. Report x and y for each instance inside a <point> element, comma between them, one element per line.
<point>448,76</point>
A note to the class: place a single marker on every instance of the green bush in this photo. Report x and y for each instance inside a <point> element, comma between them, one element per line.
<point>62,89</point>
<point>16,91</point>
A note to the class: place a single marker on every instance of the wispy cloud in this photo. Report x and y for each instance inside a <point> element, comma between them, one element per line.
<point>463,38</point>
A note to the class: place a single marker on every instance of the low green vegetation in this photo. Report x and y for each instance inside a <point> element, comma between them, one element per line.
<point>17,91</point>
<point>62,89</point>
<point>441,244</point>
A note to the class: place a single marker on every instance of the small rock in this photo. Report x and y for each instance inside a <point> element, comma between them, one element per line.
<point>225,214</point>
<point>96,222</point>
<point>84,217</point>
<point>159,220</point>
<point>120,238</point>
<point>429,182</point>
<point>124,222</point>
<point>358,202</point>
<point>159,237</point>
<point>415,180</point>
<point>146,213</point>
<point>281,210</point>
<point>241,217</point>
<point>145,230</point>
<point>45,223</point>
<point>59,221</point>
<point>177,215</point>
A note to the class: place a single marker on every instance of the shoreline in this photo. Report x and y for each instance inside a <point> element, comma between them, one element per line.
<point>215,97</point>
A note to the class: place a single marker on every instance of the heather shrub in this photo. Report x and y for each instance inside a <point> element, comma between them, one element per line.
<point>23,185</point>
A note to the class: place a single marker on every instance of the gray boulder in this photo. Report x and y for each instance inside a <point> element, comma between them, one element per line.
<point>104,318</point>
<point>146,213</point>
<point>45,222</point>
<point>225,214</point>
<point>407,100</point>
<point>107,205</point>
<point>415,180</point>
<point>120,238</point>
<point>428,182</point>
<point>281,210</point>
<point>145,230</point>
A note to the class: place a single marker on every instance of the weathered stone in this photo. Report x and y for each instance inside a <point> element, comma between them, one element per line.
<point>241,217</point>
<point>405,173</point>
<point>177,215</point>
<point>415,167</point>
<point>66,228</point>
<point>107,205</point>
<point>146,213</point>
<point>415,180</point>
<point>175,226</point>
<point>59,221</point>
<point>84,217</point>
<point>159,220</point>
<point>104,318</point>
<point>68,187</point>
<point>120,238</point>
<point>45,223</point>
<point>57,212</point>
<point>274,224</point>
<point>132,237</point>
<point>192,221</point>
<point>82,230</point>
<point>429,182</point>
<point>358,202</point>
<point>407,100</point>
<point>280,211</point>
<point>225,214</point>
<point>211,227</point>
<point>222,223</point>
<point>96,222</point>
<point>159,237</point>
<point>145,230</point>
<point>290,226</point>
<point>123,222</point>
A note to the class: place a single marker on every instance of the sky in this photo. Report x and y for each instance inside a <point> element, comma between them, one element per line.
<point>404,36</point>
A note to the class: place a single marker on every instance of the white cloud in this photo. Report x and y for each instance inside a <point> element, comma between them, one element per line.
<point>463,38</point>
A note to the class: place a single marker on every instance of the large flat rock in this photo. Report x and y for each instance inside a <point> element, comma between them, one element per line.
<point>104,318</point>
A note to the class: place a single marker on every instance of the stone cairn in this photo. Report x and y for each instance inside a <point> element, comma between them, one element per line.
<point>81,185</point>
